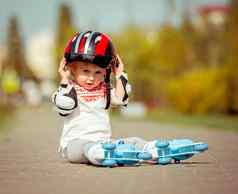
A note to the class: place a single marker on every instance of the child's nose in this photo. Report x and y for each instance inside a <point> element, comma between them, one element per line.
<point>91,78</point>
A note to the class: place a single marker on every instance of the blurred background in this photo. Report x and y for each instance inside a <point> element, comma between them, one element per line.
<point>181,55</point>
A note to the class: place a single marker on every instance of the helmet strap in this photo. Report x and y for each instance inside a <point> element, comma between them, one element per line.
<point>108,87</point>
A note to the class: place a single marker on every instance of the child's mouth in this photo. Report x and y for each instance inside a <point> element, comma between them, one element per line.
<point>89,85</point>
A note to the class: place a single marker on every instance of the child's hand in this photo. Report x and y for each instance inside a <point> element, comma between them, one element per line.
<point>64,72</point>
<point>118,66</point>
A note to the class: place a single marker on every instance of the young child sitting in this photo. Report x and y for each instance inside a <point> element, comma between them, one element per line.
<point>85,95</point>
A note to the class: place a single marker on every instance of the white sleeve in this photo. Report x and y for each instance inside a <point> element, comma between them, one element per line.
<point>65,99</point>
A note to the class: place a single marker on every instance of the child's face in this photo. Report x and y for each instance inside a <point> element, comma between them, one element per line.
<point>87,75</point>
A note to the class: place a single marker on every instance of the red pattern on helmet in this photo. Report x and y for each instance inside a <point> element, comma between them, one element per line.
<point>69,44</point>
<point>102,45</point>
<point>82,45</point>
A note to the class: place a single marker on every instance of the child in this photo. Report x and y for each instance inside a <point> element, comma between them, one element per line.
<point>85,95</point>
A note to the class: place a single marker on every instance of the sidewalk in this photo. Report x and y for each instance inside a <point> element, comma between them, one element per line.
<point>29,163</point>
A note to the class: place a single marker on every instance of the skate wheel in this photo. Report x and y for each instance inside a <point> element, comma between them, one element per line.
<point>201,147</point>
<point>144,156</point>
<point>109,146</point>
<point>164,161</point>
<point>109,163</point>
<point>177,161</point>
<point>162,144</point>
<point>183,157</point>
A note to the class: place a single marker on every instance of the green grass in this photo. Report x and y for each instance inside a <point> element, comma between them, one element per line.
<point>213,121</point>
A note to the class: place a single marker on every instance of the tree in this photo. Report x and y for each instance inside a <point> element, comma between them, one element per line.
<point>15,69</point>
<point>232,71</point>
<point>15,59</point>
<point>65,30</point>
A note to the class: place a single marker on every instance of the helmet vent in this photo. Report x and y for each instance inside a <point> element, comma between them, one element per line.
<point>74,38</point>
<point>87,34</point>
<point>98,39</point>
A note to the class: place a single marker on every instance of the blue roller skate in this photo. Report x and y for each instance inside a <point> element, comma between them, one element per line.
<point>123,155</point>
<point>163,152</point>
<point>116,154</point>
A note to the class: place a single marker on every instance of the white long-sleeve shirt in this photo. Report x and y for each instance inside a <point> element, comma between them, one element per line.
<point>89,120</point>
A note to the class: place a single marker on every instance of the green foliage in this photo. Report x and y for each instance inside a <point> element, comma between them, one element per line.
<point>171,48</point>
<point>195,71</point>
<point>136,48</point>
<point>199,91</point>
<point>10,82</point>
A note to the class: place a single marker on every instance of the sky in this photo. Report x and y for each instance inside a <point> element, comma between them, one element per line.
<point>36,16</point>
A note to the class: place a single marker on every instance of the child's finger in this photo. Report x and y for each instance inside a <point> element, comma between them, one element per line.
<point>119,59</point>
<point>62,64</point>
<point>120,63</point>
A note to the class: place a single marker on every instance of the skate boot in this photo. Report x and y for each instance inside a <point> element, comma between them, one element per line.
<point>115,154</point>
<point>164,152</point>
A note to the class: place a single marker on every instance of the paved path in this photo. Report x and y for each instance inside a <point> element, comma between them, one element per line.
<point>29,163</point>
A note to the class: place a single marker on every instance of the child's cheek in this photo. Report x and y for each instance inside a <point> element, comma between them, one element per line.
<point>80,78</point>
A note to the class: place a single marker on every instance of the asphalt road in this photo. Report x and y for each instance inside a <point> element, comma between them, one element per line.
<point>29,162</point>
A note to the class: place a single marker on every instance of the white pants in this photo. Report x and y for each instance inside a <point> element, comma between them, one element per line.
<point>74,152</point>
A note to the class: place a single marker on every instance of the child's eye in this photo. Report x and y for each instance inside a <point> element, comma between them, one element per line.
<point>86,71</point>
<point>98,72</point>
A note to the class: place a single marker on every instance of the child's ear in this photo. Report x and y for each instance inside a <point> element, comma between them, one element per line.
<point>69,68</point>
